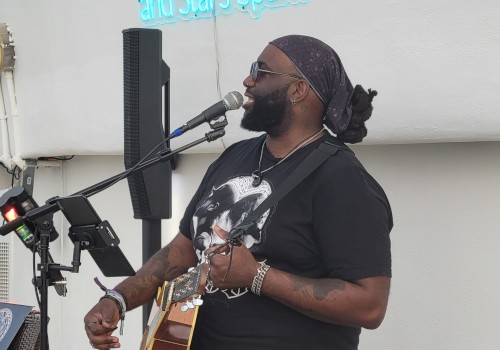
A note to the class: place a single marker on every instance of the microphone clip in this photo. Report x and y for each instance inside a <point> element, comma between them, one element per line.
<point>218,123</point>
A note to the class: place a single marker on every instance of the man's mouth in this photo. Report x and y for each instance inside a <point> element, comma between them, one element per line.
<point>249,102</point>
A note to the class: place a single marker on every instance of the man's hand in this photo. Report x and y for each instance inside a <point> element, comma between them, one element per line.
<point>100,322</point>
<point>241,265</point>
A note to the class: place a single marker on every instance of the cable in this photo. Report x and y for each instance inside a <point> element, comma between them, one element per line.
<point>217,63</point>
<point>13,171</point>
<point>57,158</point>
<point>15,175</point>
<point>35,282</point>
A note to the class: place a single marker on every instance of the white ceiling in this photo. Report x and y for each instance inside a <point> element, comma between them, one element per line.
<point>435,64</point>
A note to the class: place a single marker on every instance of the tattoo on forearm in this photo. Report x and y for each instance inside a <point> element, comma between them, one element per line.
<point>141,287</point>
<point>317,289</point>
<point>161,264</point>
<point>313,289</point>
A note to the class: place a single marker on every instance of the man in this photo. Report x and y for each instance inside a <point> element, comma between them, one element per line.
<point>316,267</point>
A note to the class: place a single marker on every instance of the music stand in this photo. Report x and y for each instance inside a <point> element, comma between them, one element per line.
<point>89,232</point>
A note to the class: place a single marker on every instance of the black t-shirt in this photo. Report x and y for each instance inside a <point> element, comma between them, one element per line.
<point>335,224</point>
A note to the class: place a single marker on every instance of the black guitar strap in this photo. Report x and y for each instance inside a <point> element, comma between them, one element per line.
<point>324,151</point>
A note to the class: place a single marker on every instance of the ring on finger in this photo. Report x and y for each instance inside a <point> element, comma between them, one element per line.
<point>89,325</point>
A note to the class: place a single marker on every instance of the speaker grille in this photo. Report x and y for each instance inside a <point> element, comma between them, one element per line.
<point>131,122</point>
<point>145,84</point>
<point>4,270</point>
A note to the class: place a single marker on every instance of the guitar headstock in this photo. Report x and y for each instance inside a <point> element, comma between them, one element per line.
<point>190,284</point>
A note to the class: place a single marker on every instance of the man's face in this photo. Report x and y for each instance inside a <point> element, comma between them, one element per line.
<point>268,111</point>
<point>268,108</point>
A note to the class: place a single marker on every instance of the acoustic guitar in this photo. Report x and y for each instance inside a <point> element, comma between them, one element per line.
<point>173,316</point>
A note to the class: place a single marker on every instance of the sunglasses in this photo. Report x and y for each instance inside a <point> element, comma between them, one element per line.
<point>255,70</point>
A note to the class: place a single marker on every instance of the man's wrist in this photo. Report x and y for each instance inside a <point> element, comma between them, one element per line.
<point>258,279</point>
<point>124,297</point>
<point>117,297</point>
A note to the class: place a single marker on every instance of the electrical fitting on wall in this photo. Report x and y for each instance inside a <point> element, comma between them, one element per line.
<point>7,53</point>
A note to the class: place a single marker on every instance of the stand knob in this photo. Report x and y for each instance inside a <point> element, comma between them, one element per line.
<point>60,287</point>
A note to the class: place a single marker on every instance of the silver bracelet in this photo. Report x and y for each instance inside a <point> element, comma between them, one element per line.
<point>259,278</point>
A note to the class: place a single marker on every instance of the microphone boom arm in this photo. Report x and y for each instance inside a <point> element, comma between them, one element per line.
<point>161,157</point>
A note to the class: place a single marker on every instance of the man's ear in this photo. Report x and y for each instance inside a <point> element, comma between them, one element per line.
<point>300,89</point>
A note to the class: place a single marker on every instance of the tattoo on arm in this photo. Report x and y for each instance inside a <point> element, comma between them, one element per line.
<point>310,289</point>
<point>165,265</point>
<point>317,289</point>
<point>160,264</point>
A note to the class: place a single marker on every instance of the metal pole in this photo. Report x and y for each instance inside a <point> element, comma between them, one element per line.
<point>151,243</point>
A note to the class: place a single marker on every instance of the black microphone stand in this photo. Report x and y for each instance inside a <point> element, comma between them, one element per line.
<point>42,218</point>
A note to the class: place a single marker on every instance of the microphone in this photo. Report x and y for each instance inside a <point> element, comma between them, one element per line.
<point>231,101</point>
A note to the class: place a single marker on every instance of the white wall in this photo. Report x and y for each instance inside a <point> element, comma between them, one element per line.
<point>446,276</point>
<point>446,282</point>
<point>434,63</point>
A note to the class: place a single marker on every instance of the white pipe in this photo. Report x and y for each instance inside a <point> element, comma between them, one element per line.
<point>13,133</point>
<point>9,79</point>
<point>6,157</point>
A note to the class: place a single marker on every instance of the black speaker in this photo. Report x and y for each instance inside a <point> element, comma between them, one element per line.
<point>146,121</point>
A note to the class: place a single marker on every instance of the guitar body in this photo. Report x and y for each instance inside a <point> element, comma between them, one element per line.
<point>176,330</point>
<point>172,319</point>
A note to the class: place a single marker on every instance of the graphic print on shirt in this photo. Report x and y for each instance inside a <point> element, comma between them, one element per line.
<point>227,206</point>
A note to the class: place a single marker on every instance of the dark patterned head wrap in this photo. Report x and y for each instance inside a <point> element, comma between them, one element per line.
<point>321,67</point>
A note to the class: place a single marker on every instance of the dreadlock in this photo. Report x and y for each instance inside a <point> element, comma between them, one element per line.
<point>361,111</point>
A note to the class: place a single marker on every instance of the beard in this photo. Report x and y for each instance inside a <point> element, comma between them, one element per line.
<point>268,113</point>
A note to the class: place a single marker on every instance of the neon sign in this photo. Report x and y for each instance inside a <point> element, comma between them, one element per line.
<point>155,12</point>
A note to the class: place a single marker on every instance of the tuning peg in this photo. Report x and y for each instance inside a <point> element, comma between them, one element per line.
<point>198,302</point>
<point>184,308</point>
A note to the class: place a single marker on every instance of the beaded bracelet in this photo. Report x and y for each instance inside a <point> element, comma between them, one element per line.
<point>117,298</point>
<point>259,278</point>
